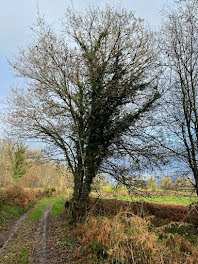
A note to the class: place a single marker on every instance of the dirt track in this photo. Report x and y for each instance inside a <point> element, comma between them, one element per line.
<point>9,235</point>
<point>41,252</point>
<point>25,241</point>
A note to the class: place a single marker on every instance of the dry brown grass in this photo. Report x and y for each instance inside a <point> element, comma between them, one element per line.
<point>115,232</point>
<point>16,195</point>
<point>166,212</point>
<point>127,238</point>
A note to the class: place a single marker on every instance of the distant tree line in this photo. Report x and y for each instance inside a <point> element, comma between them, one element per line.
<point>20,165</point>
<point>166,183</point>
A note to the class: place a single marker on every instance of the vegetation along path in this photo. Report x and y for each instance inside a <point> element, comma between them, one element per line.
<point>13,231</point>
<point>26,242</point>
<point>45,236</point>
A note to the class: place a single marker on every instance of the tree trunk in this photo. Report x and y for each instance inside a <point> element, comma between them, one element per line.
<point>196,185</point>
<point>80,200</point>
<point>79,206</point>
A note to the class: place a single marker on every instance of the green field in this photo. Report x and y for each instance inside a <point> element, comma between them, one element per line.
<point>162,199</point>
<point>158,196</point>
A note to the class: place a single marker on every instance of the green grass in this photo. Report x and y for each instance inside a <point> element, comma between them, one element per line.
<point>173,200</point>
<point>40,208</point>
<point>168,197</point>
<point>10,212</point>
<point>180,200</point>
<point>58,206</point>
<point>23,255</point>
<point>111,188</point>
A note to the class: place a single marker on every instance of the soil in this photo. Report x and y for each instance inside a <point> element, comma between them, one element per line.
<point>10,230</point>
<point>31,241</point>
<point>40,237</point>
<point>61,246</point>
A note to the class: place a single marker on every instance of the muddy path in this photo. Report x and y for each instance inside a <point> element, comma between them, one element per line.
<point>40,238</point>
<point>10,233</point>
<point>37,241</point>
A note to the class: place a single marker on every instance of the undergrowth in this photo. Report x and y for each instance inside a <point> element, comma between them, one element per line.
<point>14,201</point>
<point>16,195</point>
<point>118,232</point>
<point>10,212</point>
<point>127,238</point>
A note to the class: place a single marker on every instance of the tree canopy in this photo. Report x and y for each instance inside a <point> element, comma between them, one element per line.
<point>179,42</point>
<point>90,92</point>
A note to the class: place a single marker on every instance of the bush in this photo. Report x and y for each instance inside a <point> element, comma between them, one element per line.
<point>49,191</point>
<point>2,197</point>
<point>113,234</point>
<point>16,195</point>
<point>123,239</point>
<point>127,238</point>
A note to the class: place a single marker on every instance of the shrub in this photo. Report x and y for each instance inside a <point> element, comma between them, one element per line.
<point>16,195</point>
<point>127,238</point>
<point>116,235</point>
<point>49,191</point>
<point>124,239</point>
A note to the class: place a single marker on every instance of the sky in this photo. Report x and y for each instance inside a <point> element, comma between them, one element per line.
<point>16,18</point>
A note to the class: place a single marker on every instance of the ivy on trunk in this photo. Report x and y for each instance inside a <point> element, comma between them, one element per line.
<point>88,87</point>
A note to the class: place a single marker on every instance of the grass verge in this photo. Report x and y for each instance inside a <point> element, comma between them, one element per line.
<point>40,208</point>
<point>58,206</point>
<point>8,212</point>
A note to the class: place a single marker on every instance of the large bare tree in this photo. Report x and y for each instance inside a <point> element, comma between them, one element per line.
<point>88,89</point>
<point>180,54</point>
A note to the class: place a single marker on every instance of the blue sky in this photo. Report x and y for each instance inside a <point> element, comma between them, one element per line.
<point>16,18</point>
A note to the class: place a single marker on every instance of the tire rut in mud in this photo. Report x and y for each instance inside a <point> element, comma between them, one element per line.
<point>41,250</point>
<point>13,231</point>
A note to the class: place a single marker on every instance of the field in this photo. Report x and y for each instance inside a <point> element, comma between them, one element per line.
<point>117,230</point>
<point>157,196</point>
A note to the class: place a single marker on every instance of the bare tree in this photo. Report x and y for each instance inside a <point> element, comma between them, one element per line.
<point>89,88</point>
<point>180,53</point>
<point>5,173</point>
